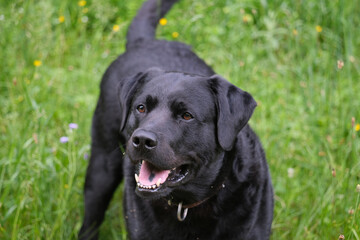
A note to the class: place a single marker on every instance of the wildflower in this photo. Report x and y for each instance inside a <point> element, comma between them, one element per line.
<point>295,32</point>
<point>73,126</point>
<point>290,172</point>
<point>37,63</point>
<point>333,172</point>
<point>35,137</point>
<point>340,64</point>
<point>303,84</point>
<point>175,34</point>
<point>66,186</point>
<point>357,127</point>
<point>82,3</point>
<point>358,188</point>
<point>318,29</point>
<point>61,19</point>
<point>341,237</point>
<point>351,211</point>
<point>105,54</point>
<point>84,19</point>
<point>322,154</point>
<point>20,99</point>
<point>85,10</point>
<point>163,21</point>
<point>86,156</point>
<point>64,139</point>
<point>352,59</point>
<point>116,28</point>
<point>247,18</point>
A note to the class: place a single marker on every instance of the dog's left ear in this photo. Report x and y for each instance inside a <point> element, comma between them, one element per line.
<point>129,87</point>
<point>234,109</point>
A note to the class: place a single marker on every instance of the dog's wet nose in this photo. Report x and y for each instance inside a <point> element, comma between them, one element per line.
<point>144,139</point>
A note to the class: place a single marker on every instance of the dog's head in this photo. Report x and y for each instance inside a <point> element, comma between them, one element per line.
<point>178,128</point>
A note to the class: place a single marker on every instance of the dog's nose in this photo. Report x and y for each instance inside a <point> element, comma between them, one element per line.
<point>144,139</point>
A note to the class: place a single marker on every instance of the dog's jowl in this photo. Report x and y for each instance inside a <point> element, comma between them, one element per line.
<point>193,168</point>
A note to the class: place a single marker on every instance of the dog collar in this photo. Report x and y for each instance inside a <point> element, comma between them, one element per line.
<point>181,215</point>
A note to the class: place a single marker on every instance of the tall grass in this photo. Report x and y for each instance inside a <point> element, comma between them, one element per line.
<point>288,54</point>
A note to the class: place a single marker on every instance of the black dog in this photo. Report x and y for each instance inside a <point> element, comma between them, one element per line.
<point>193,168</point>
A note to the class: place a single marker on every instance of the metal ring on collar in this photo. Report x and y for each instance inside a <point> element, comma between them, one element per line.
<point>183,216</point>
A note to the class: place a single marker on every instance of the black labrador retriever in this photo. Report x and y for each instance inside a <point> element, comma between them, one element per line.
<point>193,168</point>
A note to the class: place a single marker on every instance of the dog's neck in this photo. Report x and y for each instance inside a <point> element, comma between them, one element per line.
<point>218,185</point>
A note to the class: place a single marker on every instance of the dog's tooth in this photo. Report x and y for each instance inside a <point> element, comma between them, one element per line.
<point>136,178</point>
<point>158,182</point>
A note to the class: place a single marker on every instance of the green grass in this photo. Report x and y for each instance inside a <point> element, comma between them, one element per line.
<point>269,48</point>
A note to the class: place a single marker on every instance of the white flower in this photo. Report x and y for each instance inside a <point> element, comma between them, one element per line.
<point>291,172</point>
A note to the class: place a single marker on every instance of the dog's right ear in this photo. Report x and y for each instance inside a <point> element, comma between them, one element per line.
<point>129,87</point>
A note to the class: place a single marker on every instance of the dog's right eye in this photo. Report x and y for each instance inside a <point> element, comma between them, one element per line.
<point>141,108</point>
<point>187,116</point>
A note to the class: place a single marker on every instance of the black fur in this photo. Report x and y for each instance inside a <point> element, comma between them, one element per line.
<point>165,106</point>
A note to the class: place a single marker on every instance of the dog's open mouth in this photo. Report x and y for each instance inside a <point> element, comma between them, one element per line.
<point>151,178</point>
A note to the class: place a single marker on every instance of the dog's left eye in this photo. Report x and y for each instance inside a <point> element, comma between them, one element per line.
<point>187,116</point>
<point>141,108</point>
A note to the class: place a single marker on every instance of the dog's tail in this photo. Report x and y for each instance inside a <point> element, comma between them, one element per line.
<point>144,24</point>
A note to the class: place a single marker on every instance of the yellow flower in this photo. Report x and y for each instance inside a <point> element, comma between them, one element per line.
<point>85,10</point>
<point>82,3</point>
<point>318,29</point>
<point>357,127</point>
<point>322,154</point>
<point>247,18</point>
<point>163,21</point>
<point>295,32</point>
<point>61,19</point>
<point>66,186</point>
<point>175,34</point>
<point>20,99</point>
<point>37,63</point>
<point>116,28</point>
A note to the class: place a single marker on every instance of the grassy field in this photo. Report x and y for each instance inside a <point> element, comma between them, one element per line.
<point>299,59</point>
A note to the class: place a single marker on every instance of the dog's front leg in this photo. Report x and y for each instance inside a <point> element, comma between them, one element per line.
<point>100,184</point>
<point>104,172</point>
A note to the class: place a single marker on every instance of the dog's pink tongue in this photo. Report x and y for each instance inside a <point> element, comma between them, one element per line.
<point>150,175</point>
